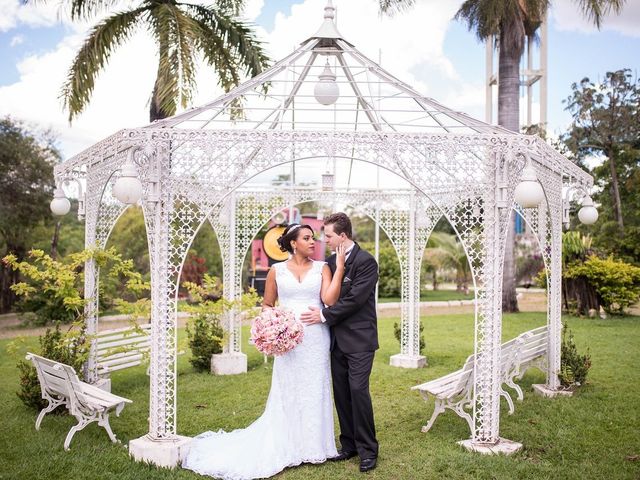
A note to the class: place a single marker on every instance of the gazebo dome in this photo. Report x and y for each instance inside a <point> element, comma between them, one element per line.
<point>370,99</point>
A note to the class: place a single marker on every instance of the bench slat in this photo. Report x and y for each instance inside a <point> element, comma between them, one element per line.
<point>124,342</point>
<point>124,331</point>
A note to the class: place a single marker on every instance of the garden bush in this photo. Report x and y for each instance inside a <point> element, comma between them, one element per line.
<point>616,283</point>
<point>70,347</point>
<point>397,332</point>
<point>53,290</point>
<point>205,328</point>
<point>573,366</point>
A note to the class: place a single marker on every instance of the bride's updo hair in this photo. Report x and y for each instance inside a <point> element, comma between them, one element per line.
<point>291,233</point>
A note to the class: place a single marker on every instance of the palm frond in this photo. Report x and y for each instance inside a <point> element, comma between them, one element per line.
<point>232,7</point>
<point>80,9</point>
<point>85,9</point>
<point>176,35</point>
<point>503,18</point>
<point>94,55</point>
<point>391,7</point>
<point>222,31</point>
<point>596,10</point>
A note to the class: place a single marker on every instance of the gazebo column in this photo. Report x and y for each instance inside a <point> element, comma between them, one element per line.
<point>231,361</point>
<point>409,356</point>
<point>485,437</point>
<point>554,296</point>
<point>91,274</point>
<point>101,213</point>
<point>161,445</point>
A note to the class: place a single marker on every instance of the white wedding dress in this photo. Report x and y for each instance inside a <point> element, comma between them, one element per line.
<point>297,424</point>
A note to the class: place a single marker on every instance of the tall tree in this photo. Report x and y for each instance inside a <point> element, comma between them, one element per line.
<point>183,32</point>
<point>606,120</point>
<point>510,22</point>
<point>26,163</point>
<point>606,124</point>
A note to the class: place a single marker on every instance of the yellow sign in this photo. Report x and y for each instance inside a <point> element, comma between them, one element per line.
<point>270,244</point>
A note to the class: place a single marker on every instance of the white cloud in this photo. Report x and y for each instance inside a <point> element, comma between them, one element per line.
<point>33,14</point>
<point>567,16</point>
<point>360,24</point>
<point>122,91</point>
<point>252,9</point>
<point>16,40</point>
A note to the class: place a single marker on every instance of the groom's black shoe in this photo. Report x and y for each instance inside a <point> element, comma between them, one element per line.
<point>343,455</point>
<point>367,464</point>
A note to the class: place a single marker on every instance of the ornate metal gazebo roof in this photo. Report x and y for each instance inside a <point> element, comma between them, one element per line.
<point>371,99</point>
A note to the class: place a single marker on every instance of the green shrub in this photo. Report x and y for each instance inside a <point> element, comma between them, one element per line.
<point>573,366</point>
<point>397,332</point>
<point>616,283</point>
<point>53,290</point>
<point>389,284</point>
<point>70,347</point>
<point>205,329</point>
<point>206,337</point>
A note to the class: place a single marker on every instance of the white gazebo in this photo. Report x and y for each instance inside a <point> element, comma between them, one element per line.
<point>326,104</point>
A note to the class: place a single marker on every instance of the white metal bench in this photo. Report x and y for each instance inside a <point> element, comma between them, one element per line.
<point>454,391</point>
<point>60,385</point>
<point>532,353</point>
<point>122,348</point>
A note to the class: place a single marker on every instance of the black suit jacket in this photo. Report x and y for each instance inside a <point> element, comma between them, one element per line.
<point>353,319</point>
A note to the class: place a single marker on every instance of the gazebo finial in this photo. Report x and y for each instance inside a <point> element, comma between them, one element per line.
<point>329,11</point>
<point>328,28</point>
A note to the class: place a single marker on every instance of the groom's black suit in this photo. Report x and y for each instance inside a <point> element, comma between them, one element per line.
<point>354,340</point>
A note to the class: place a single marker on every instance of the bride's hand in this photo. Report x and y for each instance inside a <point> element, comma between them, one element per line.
<point>341,251</point>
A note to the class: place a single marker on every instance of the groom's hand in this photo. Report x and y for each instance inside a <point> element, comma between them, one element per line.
<point>311,317</point>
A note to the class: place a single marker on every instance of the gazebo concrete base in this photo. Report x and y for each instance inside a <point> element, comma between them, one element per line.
<point>545,391</point>
<point>228,363</point>
<point>103,384</point>
<point>503,446</point>
<point>163,453</point>
<point>408,361</point>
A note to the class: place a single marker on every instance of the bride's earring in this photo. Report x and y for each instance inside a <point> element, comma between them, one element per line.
<point>294,250</point>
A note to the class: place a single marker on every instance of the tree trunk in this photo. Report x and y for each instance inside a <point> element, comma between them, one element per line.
<point>155,111</point>
<point>509,117</point>
<point>7,297</point>
<point>615,190</point>
<point>7,278</point>
<point>54,240</point>
<point>509,296</point>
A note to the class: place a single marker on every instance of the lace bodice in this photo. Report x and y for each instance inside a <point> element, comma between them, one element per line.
<point>296,295</point>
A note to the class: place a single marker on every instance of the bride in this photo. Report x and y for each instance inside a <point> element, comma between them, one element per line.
<point>297,424</point>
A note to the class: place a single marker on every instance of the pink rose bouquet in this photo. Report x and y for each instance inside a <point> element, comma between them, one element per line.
<point>276,331</point>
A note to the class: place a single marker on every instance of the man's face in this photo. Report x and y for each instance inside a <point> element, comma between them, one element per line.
<point>333,239</point>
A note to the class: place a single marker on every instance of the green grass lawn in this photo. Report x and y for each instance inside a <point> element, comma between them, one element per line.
<point>435,295</point>
<point>588,436</point>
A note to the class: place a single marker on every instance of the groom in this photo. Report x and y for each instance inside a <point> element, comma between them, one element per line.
<point>354,340</point>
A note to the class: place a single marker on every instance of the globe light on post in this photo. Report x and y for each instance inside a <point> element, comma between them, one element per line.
<point>326,90</point>
<point>60,204</point>
<point>588,214</point>
<point>529,192</point>
<point>128,189</point>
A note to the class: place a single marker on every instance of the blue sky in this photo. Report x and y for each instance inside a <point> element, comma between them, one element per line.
<point>445,61</point>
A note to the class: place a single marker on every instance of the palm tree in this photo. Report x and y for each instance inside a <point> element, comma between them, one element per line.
<point>511,22</point>
<point>183,32</point>
<point>443,251</point>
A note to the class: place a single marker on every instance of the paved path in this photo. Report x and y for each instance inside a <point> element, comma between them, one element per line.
<point>529,301</point>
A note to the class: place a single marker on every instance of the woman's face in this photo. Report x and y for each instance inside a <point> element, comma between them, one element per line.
<point>304,244</point>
